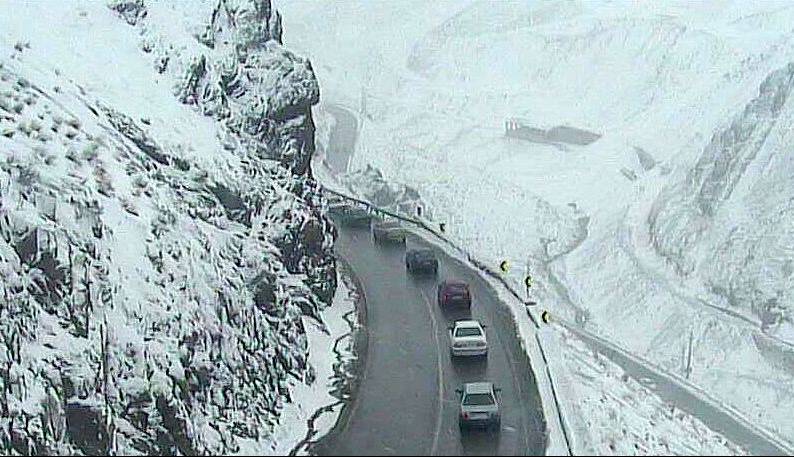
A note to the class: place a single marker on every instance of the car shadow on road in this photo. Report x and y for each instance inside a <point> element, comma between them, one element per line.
<point>455,313</point>
<point>424,280</point>
<point>470,369</point>
<point>479,441</point>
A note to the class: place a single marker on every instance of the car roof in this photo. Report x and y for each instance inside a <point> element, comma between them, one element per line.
<point>478,387</point>
<point>455,282</point>
<point>467,323</point>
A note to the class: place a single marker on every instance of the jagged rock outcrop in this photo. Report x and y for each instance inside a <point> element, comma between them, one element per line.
<point>262,94</point>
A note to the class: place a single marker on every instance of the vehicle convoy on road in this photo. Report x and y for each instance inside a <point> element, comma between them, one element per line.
<point>388,230</point>
<point>421,261</point>
<point>454,292</point>
<point>350,214</point>
<point>478,406</point>
<point>467,338</point>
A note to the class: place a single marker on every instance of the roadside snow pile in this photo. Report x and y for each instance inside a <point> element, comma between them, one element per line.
<point>675,226</point>
<point>160,242</point>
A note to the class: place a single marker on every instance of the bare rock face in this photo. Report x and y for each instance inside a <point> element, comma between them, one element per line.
<point>261,91</point>
<point>85,425</point>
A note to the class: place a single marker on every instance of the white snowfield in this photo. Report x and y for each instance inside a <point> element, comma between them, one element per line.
<point>671,236</point>
<point>161,253</point>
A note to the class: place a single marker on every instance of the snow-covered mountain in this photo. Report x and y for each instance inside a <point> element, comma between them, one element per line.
<point>161,238</point>
<point>670,235</point>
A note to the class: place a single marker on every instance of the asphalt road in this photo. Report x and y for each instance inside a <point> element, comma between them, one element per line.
<point>406,402</point>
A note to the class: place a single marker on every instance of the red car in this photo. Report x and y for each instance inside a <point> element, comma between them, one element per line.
<point>453,292</point>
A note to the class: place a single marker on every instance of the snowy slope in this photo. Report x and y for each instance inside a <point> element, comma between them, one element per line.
<point>670,235</point>
<point>615,414</point>
<point>160,241</point>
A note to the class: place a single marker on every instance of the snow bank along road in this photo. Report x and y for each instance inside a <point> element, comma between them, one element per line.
<point>406,402</point>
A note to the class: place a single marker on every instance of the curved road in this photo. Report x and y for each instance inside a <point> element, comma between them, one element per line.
<point>406,402</point>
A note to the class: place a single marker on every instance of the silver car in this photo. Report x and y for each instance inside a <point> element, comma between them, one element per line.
<point>478,406</point>
<point>388,230</point>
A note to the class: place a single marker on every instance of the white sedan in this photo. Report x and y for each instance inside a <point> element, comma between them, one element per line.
<point>468,339</point>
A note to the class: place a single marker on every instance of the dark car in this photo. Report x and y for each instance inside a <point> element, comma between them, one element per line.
<point>454,292</point>
<point>388,230</point>
<point>350,214</point>
<point>421,261</point>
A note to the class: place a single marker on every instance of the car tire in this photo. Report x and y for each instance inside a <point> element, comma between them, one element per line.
<point>408,266</point>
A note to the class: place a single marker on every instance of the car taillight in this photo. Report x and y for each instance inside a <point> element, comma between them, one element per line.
<point>465,415</point>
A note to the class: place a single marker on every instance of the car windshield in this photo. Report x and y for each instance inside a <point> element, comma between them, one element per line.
<point>424,255</point>
<point>456,287</point>
<point>478,400</point>
<point>389,224</point>
<point>467,331</point>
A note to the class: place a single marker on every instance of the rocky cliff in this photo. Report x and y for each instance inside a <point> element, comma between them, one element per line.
<point>158,258</point>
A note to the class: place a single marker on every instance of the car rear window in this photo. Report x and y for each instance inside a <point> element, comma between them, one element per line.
<point>467,331</point>
<point>478,400</point>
